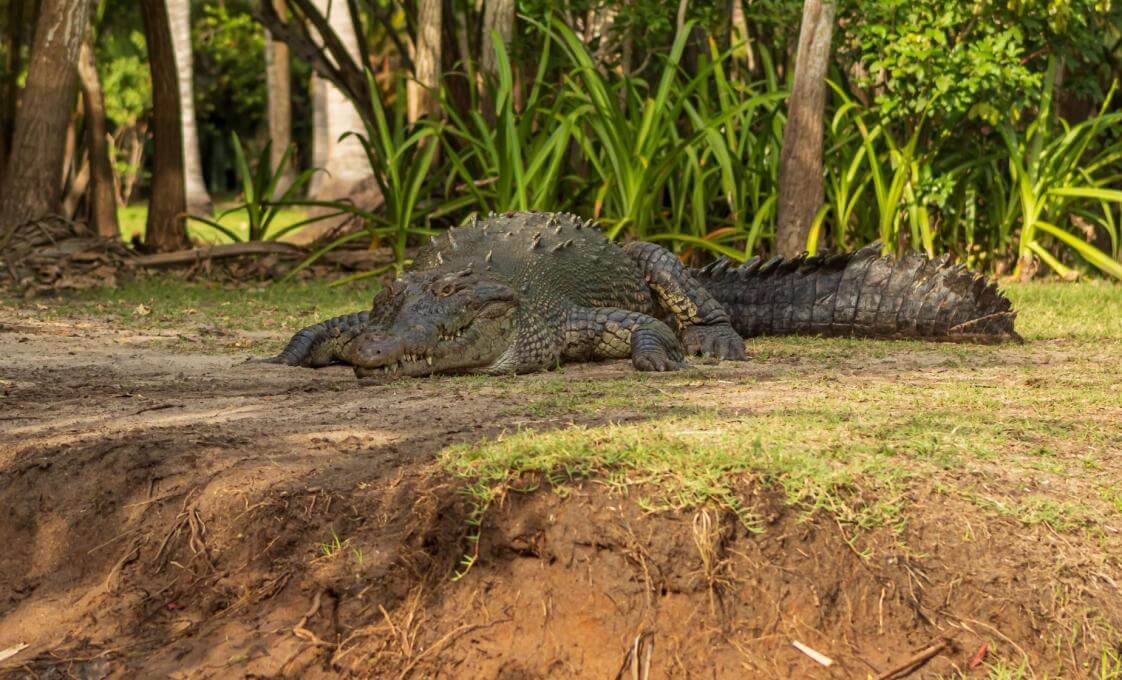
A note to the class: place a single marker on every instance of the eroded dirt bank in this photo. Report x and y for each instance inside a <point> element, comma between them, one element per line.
<point>186,515</point>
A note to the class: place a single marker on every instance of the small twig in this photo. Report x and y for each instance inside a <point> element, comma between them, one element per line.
<point>442,642</point>
<point>818,657</point>
<point>157,407</point>
<point>915,662</point>
<point>300,631</point>
<point>131,555</point>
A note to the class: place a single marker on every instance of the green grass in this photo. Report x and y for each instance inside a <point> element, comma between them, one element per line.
<point>847,427</point>
<point>162,302</point>
<point>850,428</point>
<point>132,219</point>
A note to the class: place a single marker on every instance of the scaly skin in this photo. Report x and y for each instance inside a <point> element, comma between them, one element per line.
<point>525,292</point>
<point>861,294</point>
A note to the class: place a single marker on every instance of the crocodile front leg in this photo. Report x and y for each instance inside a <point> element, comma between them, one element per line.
<point>704,323</point>
<point>592,333</point>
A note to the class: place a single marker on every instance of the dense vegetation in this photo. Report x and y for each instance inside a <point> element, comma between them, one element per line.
<point>987,130</point>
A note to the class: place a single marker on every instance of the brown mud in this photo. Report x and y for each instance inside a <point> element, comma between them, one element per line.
<point>187,515</point>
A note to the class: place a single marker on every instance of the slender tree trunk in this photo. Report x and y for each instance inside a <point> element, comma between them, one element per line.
<point>321,141</point>
<point>279,87</point>
<point>103,205</point>
<point>800,161</point>
<point>165,230</point>
<point>179,14</point>
<point>423,89</point>
<point>346,163</point>
<point>31,186</point>
<point>458,67</point>
<point>498,16</point>
<point>76,188</point>
<point>743,56</point>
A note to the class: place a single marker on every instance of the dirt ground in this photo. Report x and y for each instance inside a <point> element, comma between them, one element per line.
<point>174,513</point>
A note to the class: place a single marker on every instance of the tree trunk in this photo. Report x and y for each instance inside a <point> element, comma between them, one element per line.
<point>498,16</point>
<point>424,88</point>
<point>279,87</point>
<point>198,199</point>
<point>743,56</point>
<point>800,161</point>
<point>168,203</point>
<point>103,205</point>
<point>321,142</point>
<point>31,186</point>
<point>346,163</point>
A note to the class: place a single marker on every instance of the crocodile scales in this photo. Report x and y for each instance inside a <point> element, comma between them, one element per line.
<point>523,292</point>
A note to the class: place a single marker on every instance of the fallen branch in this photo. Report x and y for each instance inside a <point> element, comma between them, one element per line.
<point>914,662</point>
<point>215,252</point>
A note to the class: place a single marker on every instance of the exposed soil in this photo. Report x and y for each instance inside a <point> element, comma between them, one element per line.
<point>188,515</point>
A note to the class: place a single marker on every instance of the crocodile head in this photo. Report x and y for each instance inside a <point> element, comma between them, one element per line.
<point>450,323</point>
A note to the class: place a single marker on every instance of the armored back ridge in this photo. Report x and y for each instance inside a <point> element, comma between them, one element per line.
<point>526,291</point>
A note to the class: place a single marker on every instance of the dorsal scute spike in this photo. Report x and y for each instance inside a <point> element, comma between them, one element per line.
<point>790,265</point>
<point>771,265</point>
<point>750,266</point>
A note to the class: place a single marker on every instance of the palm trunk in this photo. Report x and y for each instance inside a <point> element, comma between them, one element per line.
<point>423,89</point>
<point>179,14</point>
<point>103,205</point>
<point>165,230</point>
<point>31,186</point>
<point>321,142</point>
<point>800,161</point>
<point>346,163</point>
<point>279,87</point>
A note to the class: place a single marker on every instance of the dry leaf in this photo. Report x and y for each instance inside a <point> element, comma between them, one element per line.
<point>141,310</point>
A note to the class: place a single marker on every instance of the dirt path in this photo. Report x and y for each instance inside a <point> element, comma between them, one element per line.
<point>185,514</point>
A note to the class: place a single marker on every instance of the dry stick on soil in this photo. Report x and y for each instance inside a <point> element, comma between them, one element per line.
<point>131,555</point>
<point>818,657</point>
<point>443,642</point>
<point>915,662</point>
<point>638,658</point>
<point>195,255</point>
<point>300,631</point>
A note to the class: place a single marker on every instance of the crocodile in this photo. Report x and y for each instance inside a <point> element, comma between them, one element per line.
<point>525,291</point>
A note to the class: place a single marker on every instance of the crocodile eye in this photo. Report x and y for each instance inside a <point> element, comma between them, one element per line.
<point>445,289</point>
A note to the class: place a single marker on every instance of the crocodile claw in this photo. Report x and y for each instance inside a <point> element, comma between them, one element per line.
<point>720,342</point>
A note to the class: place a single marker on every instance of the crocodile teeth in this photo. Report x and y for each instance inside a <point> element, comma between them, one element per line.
<point>428,360</point>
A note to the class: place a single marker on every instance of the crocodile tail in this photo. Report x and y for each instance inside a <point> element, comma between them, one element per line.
<point>861,294</point>
<point>319,345</point>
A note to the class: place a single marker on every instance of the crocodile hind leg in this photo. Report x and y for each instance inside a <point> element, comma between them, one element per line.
<point>704,323</point>
<point>321,344</point>
<point>610,333</point>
